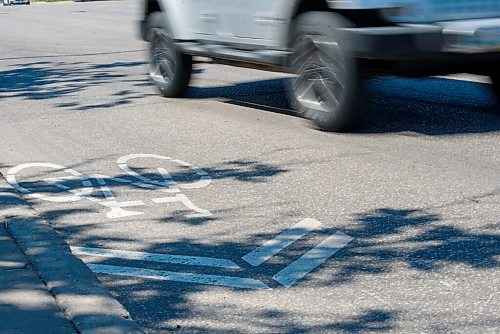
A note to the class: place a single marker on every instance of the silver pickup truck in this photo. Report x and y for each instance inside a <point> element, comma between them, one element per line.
<point>330,45</point>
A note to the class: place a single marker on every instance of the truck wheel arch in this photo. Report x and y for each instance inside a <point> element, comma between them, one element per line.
<point>301,7</point>
<point>172,11</point>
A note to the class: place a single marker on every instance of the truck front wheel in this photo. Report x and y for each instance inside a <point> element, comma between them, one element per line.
<point>169,69</point>
<point>327,85</point>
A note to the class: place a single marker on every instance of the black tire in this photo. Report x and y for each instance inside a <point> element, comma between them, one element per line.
<point>495,80</point>
<point>169,69</point>
<point>327,87</point>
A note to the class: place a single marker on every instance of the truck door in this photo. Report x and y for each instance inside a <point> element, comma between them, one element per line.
<point>259,22</point>
<point>191,19</point>
<point>201,16</point>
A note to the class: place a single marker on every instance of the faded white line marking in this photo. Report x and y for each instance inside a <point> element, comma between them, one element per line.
<point>234,282</point>
<point>117,208</point>
<point>58,185</point>
<point>109,178</point>
<point>156,257</point>
<point>274,246</point>
<point>105,189</point>
<point>11,178</point>
<point>168,183</point>
<point>312,259</point>
<point>200,213</point>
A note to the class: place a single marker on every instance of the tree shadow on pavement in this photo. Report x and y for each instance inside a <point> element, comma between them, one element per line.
<point>428,106</point>
<point>26,305</point>
<point>385,241</point>
<point>8,199</point>
<point>65,82</point>
<point>366,321</point>
<point>151,182</point>
<point>387,236</point>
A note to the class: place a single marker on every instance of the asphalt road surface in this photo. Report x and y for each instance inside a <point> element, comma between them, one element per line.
<point>223,212</point>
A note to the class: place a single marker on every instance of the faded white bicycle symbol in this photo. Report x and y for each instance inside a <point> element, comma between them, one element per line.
<point>73,186</point>
<point>86,184</point>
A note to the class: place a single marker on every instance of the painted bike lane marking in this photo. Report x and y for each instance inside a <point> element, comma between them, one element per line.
<point>163,275</point>
<point>156,257</point>
<point>272,247</point>
<point>312,259</point>
<point>287,277</point>
<point>117,208</point>
<point>75,175</point>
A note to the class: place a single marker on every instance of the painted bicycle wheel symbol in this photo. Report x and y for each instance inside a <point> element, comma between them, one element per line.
<point>77,186</point>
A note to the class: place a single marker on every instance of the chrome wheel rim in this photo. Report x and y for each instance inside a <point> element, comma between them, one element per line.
<point>319,84</point>
<point>162,63</point>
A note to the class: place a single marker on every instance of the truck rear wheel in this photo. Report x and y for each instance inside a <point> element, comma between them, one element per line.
<point>327,85</point>
<point>169,69</point>
<point>495,80</point>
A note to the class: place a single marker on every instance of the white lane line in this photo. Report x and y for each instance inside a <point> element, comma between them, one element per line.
<point>262,253</point>
<point>234,282</point>
<point>312,259</point>
<point>155,257</point>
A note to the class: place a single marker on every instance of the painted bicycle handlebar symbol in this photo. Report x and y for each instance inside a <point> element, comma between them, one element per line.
<point>85,188</point>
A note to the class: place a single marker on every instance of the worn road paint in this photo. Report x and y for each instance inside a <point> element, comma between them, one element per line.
<point>117,210</point>
<point>200,213</point>
<point>168,183</point>
<point>105,189</point>
<point>287,277</point>
<point>272,247</point>
<point>229,281</point>
<point>156,257</point>
<point>312,259</point>
<point>87,190</point>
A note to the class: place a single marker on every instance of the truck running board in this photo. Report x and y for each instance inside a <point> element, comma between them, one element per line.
<point>267,59</point>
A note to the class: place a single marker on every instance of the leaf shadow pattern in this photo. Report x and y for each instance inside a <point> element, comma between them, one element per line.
<point>453,245</point>
<point>56,81</point>
<point>385,236</point>
<point>246,171</point>
<point>367,321</point>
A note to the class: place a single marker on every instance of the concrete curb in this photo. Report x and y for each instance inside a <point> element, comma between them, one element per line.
<point>89,306</point>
